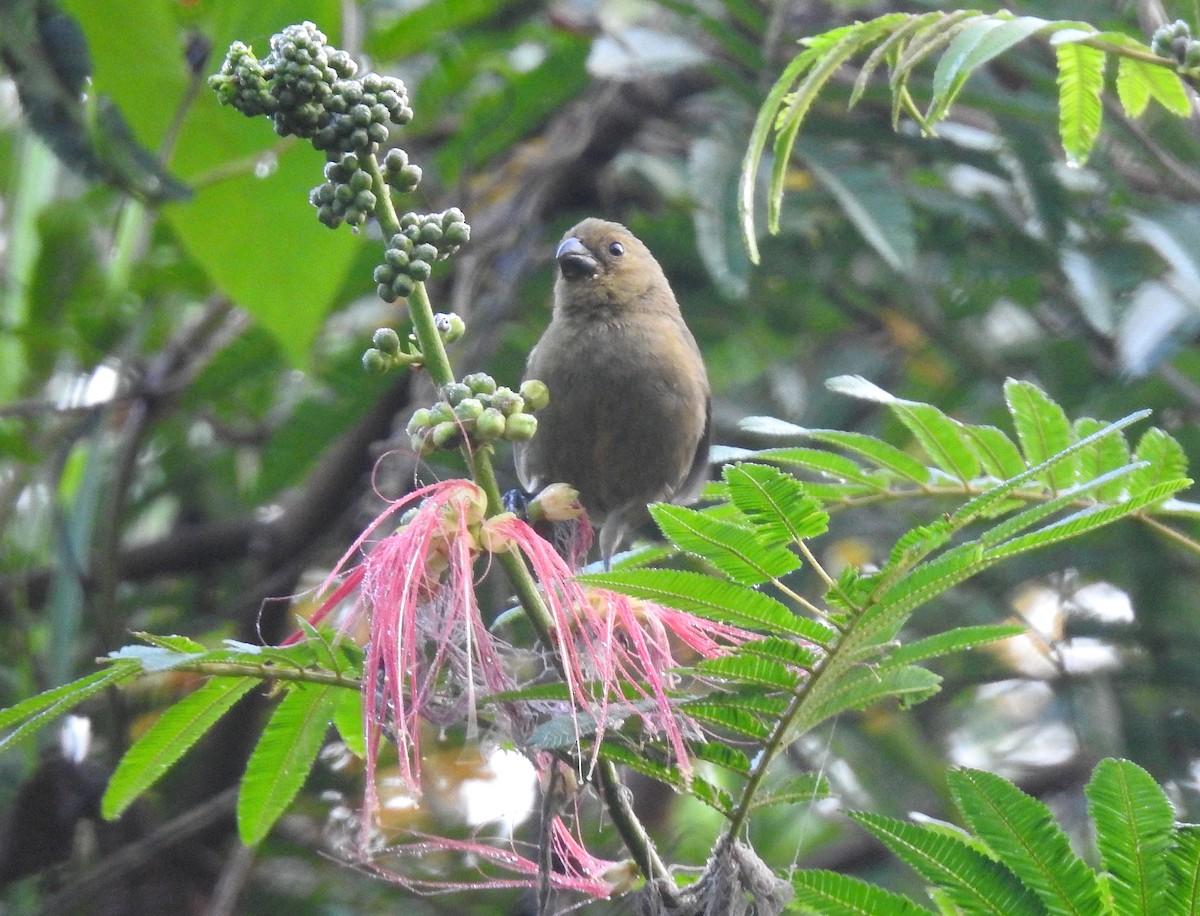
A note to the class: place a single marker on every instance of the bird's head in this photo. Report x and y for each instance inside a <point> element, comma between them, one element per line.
<point>603,267</point>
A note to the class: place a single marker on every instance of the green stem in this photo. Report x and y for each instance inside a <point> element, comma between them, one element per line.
<point>271,672</point>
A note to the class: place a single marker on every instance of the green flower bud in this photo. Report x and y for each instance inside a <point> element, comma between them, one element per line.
<point>458,233</point>
<point>425,252</point>
<point>403,286</point>
<point>422,419</point>
<point>535,393</point>
<point>480,383</point>
<point>365,201</point>
<point>489,425</point>
<point>508,402</point>
<point>520,427</point>
<point>384,274</point>
<point>375,361</point>
<point>455,392</point>
<point>387,340</point>
<point>446,435</point>
<point>431,232</point>
<point>468,409</point>
<point>440,412</point>
<point>360,181</point>
<point>386,293</point>
<point>419,270</point>
<point>451,216</point>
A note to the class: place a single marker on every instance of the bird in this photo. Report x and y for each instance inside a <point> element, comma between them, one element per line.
<point>628,422</point>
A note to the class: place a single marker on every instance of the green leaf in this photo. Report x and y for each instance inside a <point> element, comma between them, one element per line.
<point>1085,520</point>
<point>979,42</point>
<point>833,894</point>
<point>348,720</point>
<point>803,789</point>
<point>784,651</point>
<point>31,714</point>
<point>970,879</point>
<point>865,686</point>
<point>882,454</point>
<point>1100,457</point>
<point>827,464</point>
<point>1133,821</point>
<point>1080,84</point>
<point>1167,460</point>
<point>875,207</point>
<point>775,503</point>
<point>1042,428</point>
<point>721,714</point>
<point>1021,832</point>
<point>712,598</point>
<point>1182,896</point>
<point>750,669</point>
<point>996,452</point>
<point>176,730</point>
<point>283,757</point>
<point>956,640</point>
<point>1139,81</point>
<point>723,755</point>
<point>713,796</point>
<point>733,549</point>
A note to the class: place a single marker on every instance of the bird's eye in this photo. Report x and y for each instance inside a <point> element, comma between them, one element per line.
<point>616,249</point>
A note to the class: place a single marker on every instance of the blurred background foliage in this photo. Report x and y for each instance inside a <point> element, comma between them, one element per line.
<point>186,432</point>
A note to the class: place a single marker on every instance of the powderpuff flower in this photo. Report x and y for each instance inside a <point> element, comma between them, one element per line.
<point>610,645</point>
<point>429,655</point>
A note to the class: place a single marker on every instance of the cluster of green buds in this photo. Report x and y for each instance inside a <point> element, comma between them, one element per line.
<point>388,353</point>
<point>311,90</point>
<point>478,411</point>
<point>422,239</point>
<point>1175,40</point>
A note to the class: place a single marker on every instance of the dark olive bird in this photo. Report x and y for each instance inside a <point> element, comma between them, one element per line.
<point>628,418</point>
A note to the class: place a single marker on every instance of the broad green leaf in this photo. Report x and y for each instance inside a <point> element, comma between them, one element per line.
<point>1042,428</point>
<point>776,504</point>
<point>712,598</point>
<point>970,879</point>
<point>176,730</point>
<point>834,894</point>
<point>956,640</point>
<point>1182,896</point>
<point>421,27</point>
<point>1133,821</point>
<point>733,549</point>
<point>31,714</point>
<point>283,757</point>
<point>1022,834</point>
<point>979,42</point>
<point>1080,84</point>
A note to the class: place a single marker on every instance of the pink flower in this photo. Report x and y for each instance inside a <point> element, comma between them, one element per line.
<point>576,869</point>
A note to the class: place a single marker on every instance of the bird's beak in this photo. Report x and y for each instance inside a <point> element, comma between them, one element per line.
<point>574,260</point>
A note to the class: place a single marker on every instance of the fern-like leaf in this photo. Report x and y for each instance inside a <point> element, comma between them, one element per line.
<point>970,879</point>
<point>1080,84</point>
<point>834,894</point>
<point>1021,832</point>
<point>1133,821</point>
